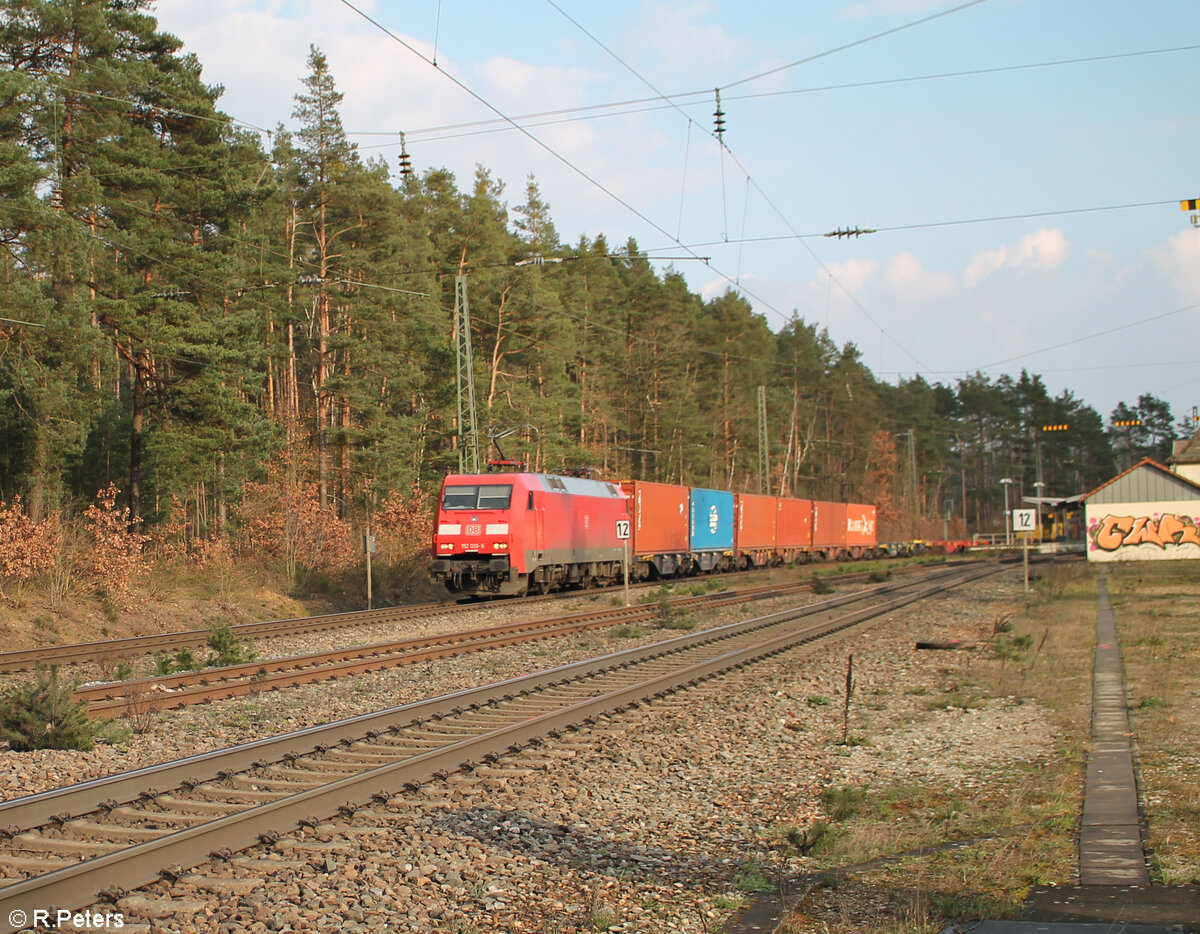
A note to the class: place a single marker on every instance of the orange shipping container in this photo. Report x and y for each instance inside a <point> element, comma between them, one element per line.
<point>659,513</point>
<point>860,525</point>
<point>794,526</point>
<point>755,523</point>
<point>829,525</point>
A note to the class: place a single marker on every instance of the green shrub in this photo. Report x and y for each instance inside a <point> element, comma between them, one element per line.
<point>804,840</point>
<point>844,802</point>
<point>42,714</point>
<point>820,585</point>
<point>229,648</point>
<point>183,660</point>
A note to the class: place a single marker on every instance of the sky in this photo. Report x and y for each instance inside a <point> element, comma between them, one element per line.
<point>1020,161</point>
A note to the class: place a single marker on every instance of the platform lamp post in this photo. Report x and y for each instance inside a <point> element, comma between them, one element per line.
<point>1040,487</point>
<point>1006,482</point>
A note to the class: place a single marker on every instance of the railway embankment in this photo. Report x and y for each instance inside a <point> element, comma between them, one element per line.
<point>952,780</point>
<point>670,813</point>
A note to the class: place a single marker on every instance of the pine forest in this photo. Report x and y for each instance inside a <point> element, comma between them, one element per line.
<point>220,347</point>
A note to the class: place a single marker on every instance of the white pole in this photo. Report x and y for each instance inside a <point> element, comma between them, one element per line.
<point>625,563</point>
<point>367,549</point>
<point>1026,540</point>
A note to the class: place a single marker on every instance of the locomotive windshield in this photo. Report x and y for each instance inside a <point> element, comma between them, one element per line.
<point>486,496</point>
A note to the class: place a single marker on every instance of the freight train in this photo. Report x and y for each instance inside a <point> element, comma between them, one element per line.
<point>516,533</point>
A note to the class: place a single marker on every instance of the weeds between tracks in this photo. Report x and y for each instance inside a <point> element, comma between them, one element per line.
<point>1016,819</point>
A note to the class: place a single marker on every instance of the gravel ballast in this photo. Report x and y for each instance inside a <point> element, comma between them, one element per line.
<point>658,819</point>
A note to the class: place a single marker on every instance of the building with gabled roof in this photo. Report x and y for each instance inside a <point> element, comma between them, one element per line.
<point>1147,513</point>
<point>1185,459</point>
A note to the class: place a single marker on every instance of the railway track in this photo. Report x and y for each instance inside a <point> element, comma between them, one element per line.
<point>71,847</point>
<point>109,651</point>
<point>117,698</point>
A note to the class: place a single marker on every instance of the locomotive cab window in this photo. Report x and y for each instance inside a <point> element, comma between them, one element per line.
<point>487,496</point>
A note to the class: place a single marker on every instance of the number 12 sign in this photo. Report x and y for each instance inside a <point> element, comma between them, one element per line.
<point>622,529</point>
<point>1025,520</point>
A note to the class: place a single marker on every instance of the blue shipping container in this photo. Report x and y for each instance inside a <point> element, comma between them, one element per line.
<point>711,520</point>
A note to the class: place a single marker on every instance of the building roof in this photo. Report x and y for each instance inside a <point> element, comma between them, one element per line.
<point>1145,482</point>
<point>1187,452</point>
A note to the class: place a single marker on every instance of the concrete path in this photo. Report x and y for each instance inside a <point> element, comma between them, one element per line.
<point>1110,842</point>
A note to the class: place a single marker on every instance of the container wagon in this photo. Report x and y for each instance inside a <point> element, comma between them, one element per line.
<point>829,530</point>
<point>710,529</point>
<point>860,531</point>
<point>658,514</point>
<point>756,530</point>
<point>794,538</point>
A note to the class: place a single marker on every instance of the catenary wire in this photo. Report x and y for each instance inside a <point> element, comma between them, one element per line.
<point>600,186</point>
<point>671,101</point>
<point>851,45</point>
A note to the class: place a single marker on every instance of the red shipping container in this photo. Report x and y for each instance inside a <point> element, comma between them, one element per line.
<point>755,528</point>
<point>860,525</point>
<point>794,528</point>
<point>829,525</point>
<point>659,513</point>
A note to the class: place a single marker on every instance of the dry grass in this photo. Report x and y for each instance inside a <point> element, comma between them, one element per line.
<point>1040,653</point>
<point>1157,607</point>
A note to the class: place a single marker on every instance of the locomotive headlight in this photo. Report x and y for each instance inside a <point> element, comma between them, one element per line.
<point>499,546</point>
<point>445,546</point>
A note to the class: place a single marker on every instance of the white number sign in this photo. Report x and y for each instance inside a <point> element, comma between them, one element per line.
<point>1025,520</point>
<point>622,529</point>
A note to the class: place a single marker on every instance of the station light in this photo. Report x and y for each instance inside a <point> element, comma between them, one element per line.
<point>1127,422</point>
<point>1055,427</point>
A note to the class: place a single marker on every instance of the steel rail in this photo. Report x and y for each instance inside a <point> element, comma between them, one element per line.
<point>81,883</point>
<point>84,797</point>
<point>87,796</point>
<point>163,692</point>
<point>76,653</point>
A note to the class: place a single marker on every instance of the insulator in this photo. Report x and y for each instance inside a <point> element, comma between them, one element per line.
<point>405,163</point>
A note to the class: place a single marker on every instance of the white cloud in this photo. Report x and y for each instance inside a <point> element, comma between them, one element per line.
<point>1179,260</point>
<point>911,280</point>
<point>1045,249</point>
<point>511,84</point>
<point>852,275</point>
<point>679,35</point>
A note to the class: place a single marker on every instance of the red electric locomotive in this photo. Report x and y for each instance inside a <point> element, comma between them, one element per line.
<point>515,533</point>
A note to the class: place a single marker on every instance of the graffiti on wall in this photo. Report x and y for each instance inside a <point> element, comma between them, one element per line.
<point>1174,535</point>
